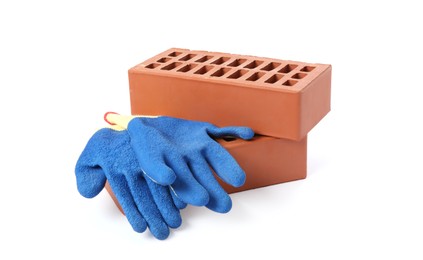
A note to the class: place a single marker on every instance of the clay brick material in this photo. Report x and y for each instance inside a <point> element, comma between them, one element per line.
<point>277,98</point>
<point>265,160</point>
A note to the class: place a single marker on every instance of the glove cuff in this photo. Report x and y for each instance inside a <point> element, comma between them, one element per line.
<point>122,121</point>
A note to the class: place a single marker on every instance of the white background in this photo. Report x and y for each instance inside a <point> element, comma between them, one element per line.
<point>62,65</point>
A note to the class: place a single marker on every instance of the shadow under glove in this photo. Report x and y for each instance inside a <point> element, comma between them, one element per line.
<point>180,152</point>
<point>108,156</point>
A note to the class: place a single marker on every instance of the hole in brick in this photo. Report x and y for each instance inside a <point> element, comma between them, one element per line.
<point>253,64</point>
<point>255,76</point>
<point>236,62</point>
<point>171,66</point>
<point>237,74</point>
<point>290,83</point>
<point>229,138</point>
<point>163,60</point>
<point>274,78</point>
<point>174,54</point>
<point>188,57</point>
<point>271,66</point>
<point>187,68</point>
<point>307,68</point>
<point>299,75</point>
<point>288,68</point>
<point>220,60</point>
<point>220,72</point>
<point>203,59</point>
<point>152,66</point>
<point>203,70</point>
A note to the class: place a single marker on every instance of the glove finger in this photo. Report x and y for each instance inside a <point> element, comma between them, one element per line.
<point>90,180</point>
<point>150,160</point>
<point>164,202</point>
<point>153,166</point>
<point>185,185</point>
<point>123,194</point>
<point>89,171</point>
<point>245,133</point>
<point>219,199</point>
<point>147,207</point>
<point>178,203</point>
<point>224,165</point>
<point>90,177</point>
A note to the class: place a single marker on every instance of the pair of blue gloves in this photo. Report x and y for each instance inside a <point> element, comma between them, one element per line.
<point>157,165</point>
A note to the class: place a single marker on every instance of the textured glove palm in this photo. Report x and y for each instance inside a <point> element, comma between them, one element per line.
<point>108,156</point>
<point>179,153</point>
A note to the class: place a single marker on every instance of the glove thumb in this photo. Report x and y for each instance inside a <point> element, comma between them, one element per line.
<point>243,132</point>
<point>90,180</point>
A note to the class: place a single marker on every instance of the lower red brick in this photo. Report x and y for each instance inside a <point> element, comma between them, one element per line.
<point>265,160</point>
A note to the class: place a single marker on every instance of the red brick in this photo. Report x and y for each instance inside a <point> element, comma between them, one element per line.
<point>265,160</point>
<point>277,98</point>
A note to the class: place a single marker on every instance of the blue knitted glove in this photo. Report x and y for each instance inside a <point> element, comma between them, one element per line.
<point>179,153</point>
<point>108,155</point>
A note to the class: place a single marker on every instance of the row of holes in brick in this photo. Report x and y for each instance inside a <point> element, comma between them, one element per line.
<point>235,63</point>
<point>275,78</point>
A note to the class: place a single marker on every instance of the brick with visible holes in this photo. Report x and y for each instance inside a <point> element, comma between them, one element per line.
<point>277,98</point>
